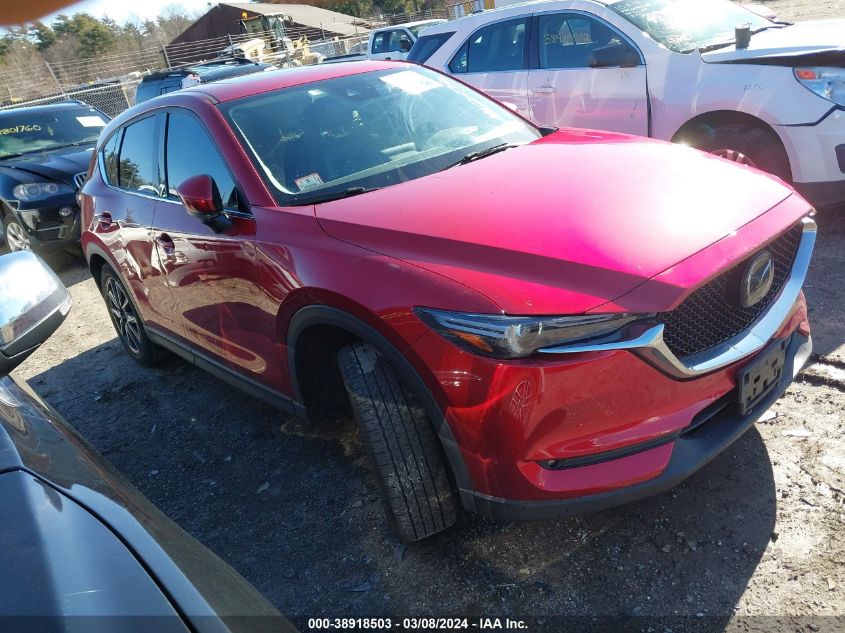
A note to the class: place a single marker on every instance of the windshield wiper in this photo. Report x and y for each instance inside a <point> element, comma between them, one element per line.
<point>714,47</point>
<point>774,25</point>
<point>335,195</point>
<point>483,153</point>
<point>52,147</point>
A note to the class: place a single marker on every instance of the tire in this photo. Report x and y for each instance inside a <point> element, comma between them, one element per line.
<point>15,235</point>
<point>126,321</point>
<point>404,451</point>
<point>760,147</point>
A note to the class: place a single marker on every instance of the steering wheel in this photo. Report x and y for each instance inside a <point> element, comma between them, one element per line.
<point>450,137</point>
<point>420,115</point>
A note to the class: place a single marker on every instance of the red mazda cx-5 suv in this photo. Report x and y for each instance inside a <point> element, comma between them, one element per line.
<point>524,322</point>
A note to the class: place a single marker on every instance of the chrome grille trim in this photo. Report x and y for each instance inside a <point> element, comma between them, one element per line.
<point>646,339</point>
<point>709,317</point>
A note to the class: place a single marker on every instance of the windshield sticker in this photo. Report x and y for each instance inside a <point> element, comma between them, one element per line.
<point>412,82</point>
<point>19,128</point>
<point>309,181</point>
<point>91,121</point>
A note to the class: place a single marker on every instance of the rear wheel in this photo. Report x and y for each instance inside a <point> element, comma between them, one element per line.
<point>746,145</point>
<point>126,321</point>
<point>404,451</point>
<point>16,236</point>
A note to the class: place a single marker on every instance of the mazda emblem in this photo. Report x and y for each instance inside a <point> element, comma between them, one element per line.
<point>757,279</point>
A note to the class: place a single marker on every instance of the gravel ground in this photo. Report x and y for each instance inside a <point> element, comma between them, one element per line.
<point>806,9</point>
<point>755,541</point>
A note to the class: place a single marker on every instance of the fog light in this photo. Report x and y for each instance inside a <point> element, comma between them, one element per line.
<point>65,212</point>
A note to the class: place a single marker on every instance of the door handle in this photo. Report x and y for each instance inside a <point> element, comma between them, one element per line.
<point>103,220</point>
<point>165,243</point>
<point>544,90</point>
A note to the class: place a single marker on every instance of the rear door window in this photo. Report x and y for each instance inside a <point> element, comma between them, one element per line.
<point>110,157</point>
<point>138,166</point>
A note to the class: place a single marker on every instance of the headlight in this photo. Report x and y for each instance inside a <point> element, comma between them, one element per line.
<point>828,83</point>
<point>516,337</point>
<point>39,190</point>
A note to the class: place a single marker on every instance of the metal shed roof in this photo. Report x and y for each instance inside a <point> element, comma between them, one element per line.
<point>314,17</point>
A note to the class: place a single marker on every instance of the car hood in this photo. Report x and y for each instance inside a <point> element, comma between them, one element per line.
<point>61,164</point>
<point>562,225</point>
<point>803,38</point>
<point>57,495</point>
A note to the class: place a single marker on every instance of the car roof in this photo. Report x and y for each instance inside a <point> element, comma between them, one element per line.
<point>257,83</point>
<point>491,14</point>
<point>205,67</point>
<point>407,25</point>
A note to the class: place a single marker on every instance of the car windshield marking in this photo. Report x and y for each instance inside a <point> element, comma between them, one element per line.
<point>49,148</point>
<point>47,130</point>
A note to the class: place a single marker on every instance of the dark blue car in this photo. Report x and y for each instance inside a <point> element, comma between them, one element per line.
<point>44,155</point>
<point>160,83</point>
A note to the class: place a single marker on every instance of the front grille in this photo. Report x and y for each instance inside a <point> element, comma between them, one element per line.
<point>709,317</point>
<point>79,179</point>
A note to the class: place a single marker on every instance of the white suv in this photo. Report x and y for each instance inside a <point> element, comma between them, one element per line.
<point>670,69</point>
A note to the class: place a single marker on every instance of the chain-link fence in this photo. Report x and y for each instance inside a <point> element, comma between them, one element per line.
<point>111,98</point>
<point>108,82</point>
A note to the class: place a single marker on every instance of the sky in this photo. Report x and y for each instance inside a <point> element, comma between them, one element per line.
<point>123,10</point>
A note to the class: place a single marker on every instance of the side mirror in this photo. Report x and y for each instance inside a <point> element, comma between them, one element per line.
<point>33,304</point>
<point>405,44</point>
<point>201,198</point>
<point>614,56</point>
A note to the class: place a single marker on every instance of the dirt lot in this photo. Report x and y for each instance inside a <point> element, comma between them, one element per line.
<point>756,541</point>
<point>806,9</point>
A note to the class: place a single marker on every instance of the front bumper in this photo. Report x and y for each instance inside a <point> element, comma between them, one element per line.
<point>611,416</point>
<point>48,229</point>
<point>688,452</point>
<point>817,157</point>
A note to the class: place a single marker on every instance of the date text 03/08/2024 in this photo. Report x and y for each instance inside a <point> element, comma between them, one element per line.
<point>416,624</point>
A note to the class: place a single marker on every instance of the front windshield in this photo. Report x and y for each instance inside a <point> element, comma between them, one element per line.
<point>24,132</point>
<point>686,25</point>
<point>368,130</point>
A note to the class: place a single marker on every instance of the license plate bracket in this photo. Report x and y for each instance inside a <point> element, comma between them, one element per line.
<point>757,379</point>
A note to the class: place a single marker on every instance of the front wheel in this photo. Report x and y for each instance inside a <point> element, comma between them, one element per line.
<point>404,451</point>
<point>16,236</point>
<point>126,321</point>
<point>746,145</point>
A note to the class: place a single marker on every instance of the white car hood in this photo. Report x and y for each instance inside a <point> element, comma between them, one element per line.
<point>798,39</point>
